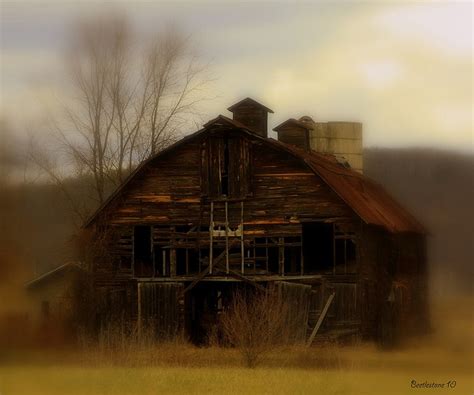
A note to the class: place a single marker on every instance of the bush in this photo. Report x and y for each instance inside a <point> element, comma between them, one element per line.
<point>254,323</point>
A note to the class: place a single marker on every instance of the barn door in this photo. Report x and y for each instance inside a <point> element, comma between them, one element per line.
<point>159,309</point>
<point>345,308</point>
<point>298,298</point>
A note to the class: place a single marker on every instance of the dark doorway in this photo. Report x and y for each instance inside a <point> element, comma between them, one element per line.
<point>142,251</point>
<point>318,247</point>
<point>204,305</point>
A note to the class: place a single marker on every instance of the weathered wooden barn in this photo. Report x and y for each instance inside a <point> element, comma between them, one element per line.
<point>227,207</point>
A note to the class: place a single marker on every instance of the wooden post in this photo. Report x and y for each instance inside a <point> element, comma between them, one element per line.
<point>187,259</point>
<point>198,244</point>
<point>266,254</point>
<point>211,234</point>
<point>281,255</point>
<point>242,251</point>
<point>254,258</point>
<point>152,247</point>
<point>139,308</point>
<point>302,255</point>
<point>173,254</point>
<point>345,256</point>
<point>164,263</point>
<point>226,237</point>
<point>333,249</point>
<point>133,251</point>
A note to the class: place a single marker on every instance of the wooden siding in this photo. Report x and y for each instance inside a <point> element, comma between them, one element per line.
<point>283,191</point>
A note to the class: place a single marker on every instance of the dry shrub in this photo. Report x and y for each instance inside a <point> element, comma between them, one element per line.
<point>255,323</point>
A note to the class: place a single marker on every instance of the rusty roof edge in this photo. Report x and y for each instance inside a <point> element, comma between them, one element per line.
<point>364,179</point>
<point>312,167</point>
<point>421,227</point>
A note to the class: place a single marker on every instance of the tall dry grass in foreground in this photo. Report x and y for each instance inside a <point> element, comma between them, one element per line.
<point>176,368</point>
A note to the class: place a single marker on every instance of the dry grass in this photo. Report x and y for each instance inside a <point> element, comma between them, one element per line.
<point>181,368</point>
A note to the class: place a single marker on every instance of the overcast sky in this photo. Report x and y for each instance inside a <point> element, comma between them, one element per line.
<point>403,69</point>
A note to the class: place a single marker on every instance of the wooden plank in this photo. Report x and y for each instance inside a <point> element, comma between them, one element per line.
<point>242,247</point>
<point>139,309</point>
<point>211,232</point>
<point>281,256</point>
<point>227,236</point>
<point>320,319</point>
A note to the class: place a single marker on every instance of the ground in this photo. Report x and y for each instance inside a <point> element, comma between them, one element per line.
<point>444,358</point>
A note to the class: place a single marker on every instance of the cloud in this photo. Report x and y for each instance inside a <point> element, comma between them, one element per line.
<point>405,71</point>
<point>444,26</point>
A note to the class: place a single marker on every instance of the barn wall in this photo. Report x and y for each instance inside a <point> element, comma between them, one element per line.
<point>410,284</point>
<point>376,255</point>
<point>169,191</point>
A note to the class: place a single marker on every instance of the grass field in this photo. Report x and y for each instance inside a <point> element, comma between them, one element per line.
<point>445,356</point>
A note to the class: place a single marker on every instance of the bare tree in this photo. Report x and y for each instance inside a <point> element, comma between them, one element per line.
<point>255,323</point>
<point>130,102</point>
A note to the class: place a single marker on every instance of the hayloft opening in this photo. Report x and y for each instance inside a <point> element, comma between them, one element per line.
<point>226,167</point>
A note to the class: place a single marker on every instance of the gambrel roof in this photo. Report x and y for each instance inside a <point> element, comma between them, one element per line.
<point>368,199</point>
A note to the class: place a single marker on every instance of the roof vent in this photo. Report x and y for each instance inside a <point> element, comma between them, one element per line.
<point>252,114</point>
<point>294,132</point>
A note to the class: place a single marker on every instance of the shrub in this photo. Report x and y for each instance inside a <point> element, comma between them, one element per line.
<point>254,323</point>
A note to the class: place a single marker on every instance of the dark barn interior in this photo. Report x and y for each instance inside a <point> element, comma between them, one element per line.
<point>227,208</point>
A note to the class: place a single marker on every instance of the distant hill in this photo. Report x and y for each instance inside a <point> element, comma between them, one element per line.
<point>438,188</point>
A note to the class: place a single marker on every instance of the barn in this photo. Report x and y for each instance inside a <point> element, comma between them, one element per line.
<point>227,208</point>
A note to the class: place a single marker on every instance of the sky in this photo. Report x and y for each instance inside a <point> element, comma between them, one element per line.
<point>402,69</point>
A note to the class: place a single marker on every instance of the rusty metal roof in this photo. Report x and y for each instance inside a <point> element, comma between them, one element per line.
<point>369,200</point>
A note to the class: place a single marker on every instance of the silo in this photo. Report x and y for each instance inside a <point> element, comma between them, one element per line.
<point>341,139</point>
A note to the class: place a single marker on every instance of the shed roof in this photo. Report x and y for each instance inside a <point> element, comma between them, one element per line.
<point>57,271</point>
<point>369,200</point>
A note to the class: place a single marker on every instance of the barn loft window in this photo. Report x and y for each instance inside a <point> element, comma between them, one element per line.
<point>225,167</point>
